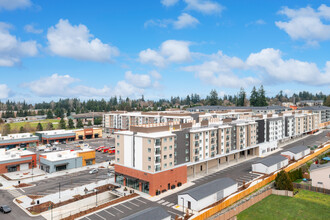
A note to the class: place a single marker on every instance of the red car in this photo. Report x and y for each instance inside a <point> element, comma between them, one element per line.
<point>105,150</point>
<point>99,149</point>
<point>112,150</point>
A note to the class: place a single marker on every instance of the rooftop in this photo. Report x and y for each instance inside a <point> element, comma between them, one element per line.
<point>13,154</point>
<point>297,149</point>
<point>66,154</point>
<point>269,161</point>
<point>319,166</point>
<point>210,188</point>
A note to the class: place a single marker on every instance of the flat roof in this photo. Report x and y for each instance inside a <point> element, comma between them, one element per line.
<point>13,154</point>
<point>272,160</point>
<point>209,188</point>
<point>156,134</point>
<point>62,155</point>
<point>149,214</point>
<point>319,166</point>
<point>297,149</point>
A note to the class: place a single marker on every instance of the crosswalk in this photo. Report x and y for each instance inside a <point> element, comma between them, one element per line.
<point>15,193</point>
<point>165,203</point>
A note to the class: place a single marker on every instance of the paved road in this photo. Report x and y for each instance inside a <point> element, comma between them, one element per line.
<point>49,186</point>
<point>6,198</point>
<point>240,171</point>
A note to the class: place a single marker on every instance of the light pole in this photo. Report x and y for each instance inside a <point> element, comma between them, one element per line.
<point>59,190</point>
<point>183,205</point>
<point>96,197</point>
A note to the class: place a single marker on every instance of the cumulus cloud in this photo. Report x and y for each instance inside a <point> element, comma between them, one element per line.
<point>163,23</point>
<point>75,41</point>
<point>169,3</point>
<point>14,4</point>
<point>126,89</point>
<point>4,91</point>
<point>270,62</point>
<point>306,24</point>
<point>31,29</point>
<point>204,6</point>
<point>185,20</point>
<point>155,74</point>
<point>138,80</point>
<point>170,51</point>
<point>13,49</point>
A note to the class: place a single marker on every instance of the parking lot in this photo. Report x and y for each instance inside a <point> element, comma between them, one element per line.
<point>128,208</point>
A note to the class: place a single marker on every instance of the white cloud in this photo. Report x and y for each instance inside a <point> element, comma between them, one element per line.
<point>12,49</point>
<point>4,91</point>
<point>75,41</point>
<point>169,3</point>
<point>269,61</point>
<point>31,29</point>
<point>14,4</point>
<point>204,6</point>
<point>163,23</point>
<point>306,24</point>
<point>185,20</point>
<point>169,51</point>
<point>257,22</point>
<point>138,80</point>
<point>155,74</point>
<point>125,89</point>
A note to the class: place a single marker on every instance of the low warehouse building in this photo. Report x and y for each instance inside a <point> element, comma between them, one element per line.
<point>18,140</point>
<point>202,196</point>
<point>296,152</point>
<point>88,133</point>
<point>320,175</point>
<point>150,214</point>
<point>270,164</point>
<point>64,160</point>
<point>47,137</point>
<point>16,160</point>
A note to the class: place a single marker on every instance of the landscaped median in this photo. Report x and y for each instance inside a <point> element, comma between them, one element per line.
<point>258,184</point>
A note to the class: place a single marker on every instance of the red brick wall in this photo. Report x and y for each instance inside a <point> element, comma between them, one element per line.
<point>158,181</point>
<point>3,167</point>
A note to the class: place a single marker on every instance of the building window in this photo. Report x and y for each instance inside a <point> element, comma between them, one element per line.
<point>149,150</point>
<point>118,144</point>
<point>165,165</point>
<point>165,157</point>
<point>149,158</point>
<point>149,141</point>
<point>165,139</point>
<point>170,164</point>
<point>149,167</point>
<point>165,148</point>
<point>170,147</point>
<point>117,136</point>
<point>171,138</point>
<point>117,159</point>
<point>187,151</point>
<point>187,159</point>
<point>187,135</point>
<point>118,151</point>
<point>170,155</point>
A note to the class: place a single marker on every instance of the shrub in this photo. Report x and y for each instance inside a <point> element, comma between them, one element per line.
<point>283,181</point>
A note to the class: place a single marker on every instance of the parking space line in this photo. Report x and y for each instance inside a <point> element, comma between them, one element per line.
<point>133,203</point>
<point>109,212</point>
<point>141,201</point>
<point>100,216</point>
<point>87,217</point>
<point>117,209</point>
<point>125,206</point>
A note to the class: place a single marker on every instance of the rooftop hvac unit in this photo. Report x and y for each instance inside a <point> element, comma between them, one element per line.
<point>59,155</point>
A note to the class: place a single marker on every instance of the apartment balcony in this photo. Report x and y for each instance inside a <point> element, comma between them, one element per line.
<point>158,142</point>
<point>158,151</point>
<point>196,151</point>
<point>158,160</point>
<point>157,168</point>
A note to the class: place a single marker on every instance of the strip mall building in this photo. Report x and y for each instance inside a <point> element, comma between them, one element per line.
<point>18,140</point>
<point>16,160</point>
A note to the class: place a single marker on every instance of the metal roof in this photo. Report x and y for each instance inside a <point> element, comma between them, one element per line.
<point>270,161</point>
<point>297,149</point>
<point>210,188</point>
<point>149,214</point>
<point>220,107</point>
<point>319,166</point>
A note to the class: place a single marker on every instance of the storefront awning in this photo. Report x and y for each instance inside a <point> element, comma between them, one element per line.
<point>62,164</point>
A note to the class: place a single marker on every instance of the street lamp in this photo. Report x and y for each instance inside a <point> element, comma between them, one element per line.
<point>183,205</point>
<point>95,196</point>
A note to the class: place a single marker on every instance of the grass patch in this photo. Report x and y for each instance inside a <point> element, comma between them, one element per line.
<point>17,125</point>
<point>305,205</point>
<point>297,181</point>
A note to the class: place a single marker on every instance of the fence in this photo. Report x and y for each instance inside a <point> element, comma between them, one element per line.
<point>255,187</point>
<point>311,188</point>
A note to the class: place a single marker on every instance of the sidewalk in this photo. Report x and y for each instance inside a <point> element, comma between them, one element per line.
<point>8,184</point>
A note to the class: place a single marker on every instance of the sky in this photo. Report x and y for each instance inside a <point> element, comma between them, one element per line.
<point>161,48</point>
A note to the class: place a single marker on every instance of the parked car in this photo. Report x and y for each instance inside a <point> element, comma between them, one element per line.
<point>94,171</point>
<point>5,209</point>
<point>105,150</point>
<point>81,142</point>
<point>100,148</point>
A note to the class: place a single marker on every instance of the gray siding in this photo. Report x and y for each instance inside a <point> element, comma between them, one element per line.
<point>182,144</point>
<point>71,163</point>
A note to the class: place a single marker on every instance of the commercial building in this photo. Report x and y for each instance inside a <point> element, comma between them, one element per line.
<point>64,160</point>
<point>47,137</point>
<point>320,175</point>
<point>18,140</point>
<point>296,153</point>
<point>205,195</point>
<point>16,160</point>
<point>88,133</point>
<point>151,213</point>
<point>87,118</point>
<point>310,103</point>
<point>270,164</point>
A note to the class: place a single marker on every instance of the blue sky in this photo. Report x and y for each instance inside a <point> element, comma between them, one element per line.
<point>161,48</point>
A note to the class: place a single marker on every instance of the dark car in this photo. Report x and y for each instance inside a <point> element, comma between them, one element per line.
<point>5,209</point>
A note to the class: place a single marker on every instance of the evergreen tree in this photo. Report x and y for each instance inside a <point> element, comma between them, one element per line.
<point>6,129</point>
<point>71,124</point>
<point>213,99</point>
<point>327,101</point>
<point>262,97</point>
<point>89,123</point>
<point>49,114</point>
<point>21,129</point>
<point>80,124</point>
<point>283,181</point>
<point>241,98</point>
<point>254,97</point>
<point>62,124</point>
<point>39,127</point>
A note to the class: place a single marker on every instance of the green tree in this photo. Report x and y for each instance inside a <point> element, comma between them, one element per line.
<point>89,123</point>
<point>241,98</point>
<point>327,101</point>
<point>283,181</point>
<point>254,97</point>
<point>62,124</point>
<point>98,121</point>
<point>79,124</point>
<point>71,124</point>
<point>49,126</point>
<point>213,99</point>
<point>50,114</point>
<point>6,129</point>
<point>21,129</point>
<point>262,97</point>
<point>39,127</point>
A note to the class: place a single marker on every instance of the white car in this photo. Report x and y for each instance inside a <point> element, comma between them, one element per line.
<point>93,171</point>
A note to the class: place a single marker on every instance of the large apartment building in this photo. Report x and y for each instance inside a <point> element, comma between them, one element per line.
<point>157,157</point>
